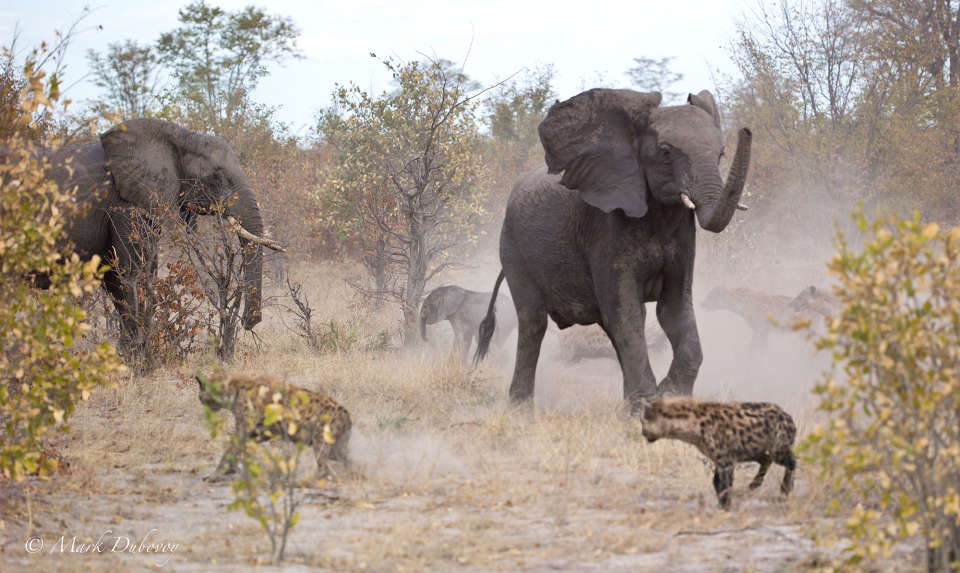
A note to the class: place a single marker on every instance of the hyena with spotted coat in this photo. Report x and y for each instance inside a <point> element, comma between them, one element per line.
<point>321,422</point>
<point>727,433</point>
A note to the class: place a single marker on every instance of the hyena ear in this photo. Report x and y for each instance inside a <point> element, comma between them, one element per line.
<point>644,405</point>
<point>202,381</point>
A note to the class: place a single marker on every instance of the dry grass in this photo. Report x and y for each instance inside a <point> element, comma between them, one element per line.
<point>446,474</point>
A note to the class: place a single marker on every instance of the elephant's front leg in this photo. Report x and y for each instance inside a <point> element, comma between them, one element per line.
<point>675,314</point>
<point>623,320</point>
<point>463,337</point>
<point>130,281</point>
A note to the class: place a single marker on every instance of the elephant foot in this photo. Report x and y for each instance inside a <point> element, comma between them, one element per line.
<point>669,387</point>
<point>521,395</point>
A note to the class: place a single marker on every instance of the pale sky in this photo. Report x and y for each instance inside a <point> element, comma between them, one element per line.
<point>590,43</point>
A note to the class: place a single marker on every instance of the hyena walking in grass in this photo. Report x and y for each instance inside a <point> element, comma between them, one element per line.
<point>727,433</point>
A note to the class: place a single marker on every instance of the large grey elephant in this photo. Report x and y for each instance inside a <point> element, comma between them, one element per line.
<point>464,309</point>
<point>148,164</point>
<point>617,229</point>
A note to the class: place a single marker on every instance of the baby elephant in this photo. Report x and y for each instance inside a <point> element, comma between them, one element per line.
<point>464,309</point>
<point>309,418</point>
<point>727,433</point>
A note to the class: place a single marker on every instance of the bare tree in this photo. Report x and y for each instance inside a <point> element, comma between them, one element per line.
<point>652,75</point>
<point>130,75</point>
<point>406,174</point>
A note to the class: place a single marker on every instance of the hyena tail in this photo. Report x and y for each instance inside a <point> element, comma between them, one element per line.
<point>488,324</point>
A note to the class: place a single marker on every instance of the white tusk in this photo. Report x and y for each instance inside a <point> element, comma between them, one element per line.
<point>742,207</point>
<point>269,243</point>
<point>686,201</point>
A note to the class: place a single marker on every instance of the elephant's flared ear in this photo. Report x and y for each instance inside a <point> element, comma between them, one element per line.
<point>447,300</point>
<point>593,138</point>
<point>142,161</point>
<point>704,100</point>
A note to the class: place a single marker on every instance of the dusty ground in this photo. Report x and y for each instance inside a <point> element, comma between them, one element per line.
<point>446,475</point>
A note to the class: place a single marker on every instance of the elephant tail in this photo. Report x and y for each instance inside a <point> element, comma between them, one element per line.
<point>488,324</point>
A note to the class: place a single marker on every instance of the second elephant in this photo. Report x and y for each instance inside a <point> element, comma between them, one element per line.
<point>464,309</point>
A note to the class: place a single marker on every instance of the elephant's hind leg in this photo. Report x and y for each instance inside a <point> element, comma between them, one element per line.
<point>532,324</point>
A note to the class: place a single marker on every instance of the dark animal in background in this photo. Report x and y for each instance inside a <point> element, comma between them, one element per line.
<point>815,303</point>
<point>617,229</point>
<point>146,164</point>
<point>464,309</point>
<point>588,342</point>
<point>757,308</point>
<point>727,433</point>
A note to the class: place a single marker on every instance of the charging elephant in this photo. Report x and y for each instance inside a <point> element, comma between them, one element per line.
<point>617,229</point>
<point>464,309</point>
<point>142,165</point>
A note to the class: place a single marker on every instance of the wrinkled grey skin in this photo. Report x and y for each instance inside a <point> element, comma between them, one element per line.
<point>464,309</point>
<point>603,229</point>
<point>145,163</point>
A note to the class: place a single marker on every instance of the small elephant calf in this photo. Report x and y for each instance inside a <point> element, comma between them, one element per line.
<point>727,433</point>
<point>464,309</point>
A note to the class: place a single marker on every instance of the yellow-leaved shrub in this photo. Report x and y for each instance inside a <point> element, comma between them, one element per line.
<point>891,444</point>
<point>42,374</point>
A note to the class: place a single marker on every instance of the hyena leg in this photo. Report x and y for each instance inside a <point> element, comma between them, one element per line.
<point>789,463</point>
<point>339,450</point>
<point>723,483</point>
<point>764,462</point>
<point>322,451</point>
<point>228,463</point>
<point>332,459</point>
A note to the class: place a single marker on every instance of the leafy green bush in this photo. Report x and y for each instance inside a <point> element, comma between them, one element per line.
<point>892,442</point>
<point>41,375</point>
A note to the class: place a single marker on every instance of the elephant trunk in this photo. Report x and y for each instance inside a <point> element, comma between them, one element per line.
<point>423,325</point>
<point>245,209</point>
<point>714,214</point>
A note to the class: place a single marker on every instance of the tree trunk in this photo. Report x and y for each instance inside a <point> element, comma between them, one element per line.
<point>416,275</point>
<point>378,263</point>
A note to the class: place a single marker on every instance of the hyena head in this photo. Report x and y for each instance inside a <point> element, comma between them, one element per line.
<point>668,418</point>
<point>211,390</point>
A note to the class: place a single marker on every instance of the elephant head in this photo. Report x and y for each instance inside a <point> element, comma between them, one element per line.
<point>155,163</point>
<point>619,149</point>
<point>439,305</point>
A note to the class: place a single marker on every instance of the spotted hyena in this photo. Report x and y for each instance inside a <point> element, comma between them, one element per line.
<point>727,433</point>
<point>319,421</point>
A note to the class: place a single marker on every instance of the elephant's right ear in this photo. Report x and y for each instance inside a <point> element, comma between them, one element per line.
<point>450,302</point>
<point>593,138</point>
<point>143,161</point>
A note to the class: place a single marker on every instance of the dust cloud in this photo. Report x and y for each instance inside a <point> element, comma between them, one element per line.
<point>779,247</point>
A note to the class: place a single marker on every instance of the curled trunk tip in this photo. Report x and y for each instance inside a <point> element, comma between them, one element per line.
<point>718,216</point>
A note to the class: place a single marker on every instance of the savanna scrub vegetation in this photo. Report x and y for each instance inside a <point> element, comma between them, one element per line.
<point>400,190</point>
